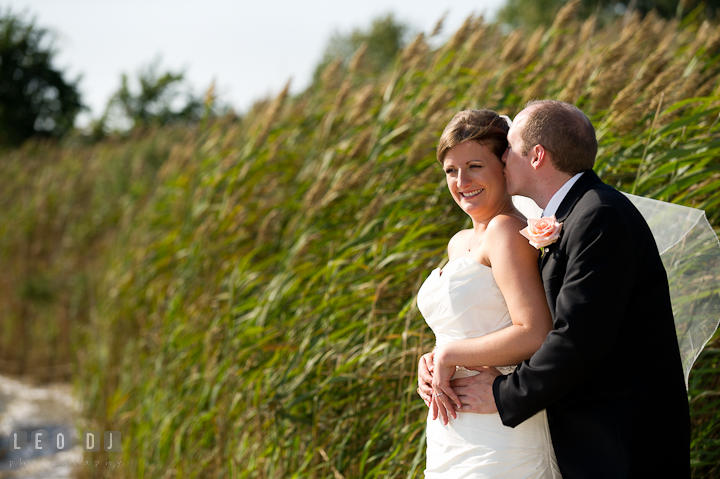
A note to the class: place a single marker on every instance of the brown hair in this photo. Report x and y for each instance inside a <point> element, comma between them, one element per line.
<point>483,126</point>
<point>563,130</point>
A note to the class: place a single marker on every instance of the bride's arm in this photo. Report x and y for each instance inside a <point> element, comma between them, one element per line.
<point>514,265</point>
<point>515,269</point>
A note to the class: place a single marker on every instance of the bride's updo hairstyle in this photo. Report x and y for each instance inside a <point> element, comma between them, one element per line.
<point>483,126</point>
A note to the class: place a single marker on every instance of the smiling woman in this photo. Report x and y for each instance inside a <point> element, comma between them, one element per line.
<point>475,179</point>
<point>487,308</point>
<point>470,149</point>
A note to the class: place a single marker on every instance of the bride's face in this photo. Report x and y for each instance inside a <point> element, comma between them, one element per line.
<point>475,179</point>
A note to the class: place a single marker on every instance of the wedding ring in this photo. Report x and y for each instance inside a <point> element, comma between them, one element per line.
<point>438,395</point>
<point>418,391</point>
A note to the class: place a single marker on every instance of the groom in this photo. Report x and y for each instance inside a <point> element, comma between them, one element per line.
<point>609,373</point>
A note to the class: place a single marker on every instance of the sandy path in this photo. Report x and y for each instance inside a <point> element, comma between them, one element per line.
<point>27,407</point>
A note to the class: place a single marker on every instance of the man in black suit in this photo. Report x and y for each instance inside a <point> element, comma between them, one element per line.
<point>609,373</point>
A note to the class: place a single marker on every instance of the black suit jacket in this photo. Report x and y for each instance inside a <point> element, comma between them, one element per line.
<point>609,373</point>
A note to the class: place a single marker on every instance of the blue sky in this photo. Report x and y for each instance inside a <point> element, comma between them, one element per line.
<point>250,48</point>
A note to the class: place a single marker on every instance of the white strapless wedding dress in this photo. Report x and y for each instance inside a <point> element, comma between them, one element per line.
<point>463,301</point>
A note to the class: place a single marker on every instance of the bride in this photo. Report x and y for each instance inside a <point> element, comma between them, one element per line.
<point>487,308</point>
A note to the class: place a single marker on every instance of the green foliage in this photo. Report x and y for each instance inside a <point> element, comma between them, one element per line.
<point>382,42</point>
<point>249,286</point>
<point>157,101</point>
<point>533,13</point>
<point>60,207</point>
<point>530,13</point>
<point>35,98</point>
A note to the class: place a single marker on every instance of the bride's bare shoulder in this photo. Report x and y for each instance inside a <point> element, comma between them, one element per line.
<point>457,243</point>
<point>507,222</point>
<point>505,228</point>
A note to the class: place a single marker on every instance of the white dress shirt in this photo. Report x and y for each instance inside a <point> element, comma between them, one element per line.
<point>560,195</point>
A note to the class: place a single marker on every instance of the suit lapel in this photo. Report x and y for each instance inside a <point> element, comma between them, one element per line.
<point>577,191</point>
<point>567,205</point>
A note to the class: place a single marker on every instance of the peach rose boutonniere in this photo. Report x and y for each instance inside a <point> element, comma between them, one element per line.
<point>542,232</point>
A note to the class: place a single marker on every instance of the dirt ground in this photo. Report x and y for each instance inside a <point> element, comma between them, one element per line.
<point>27,407</point>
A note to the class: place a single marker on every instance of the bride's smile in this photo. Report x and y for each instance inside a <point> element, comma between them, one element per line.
<point>470,194</point>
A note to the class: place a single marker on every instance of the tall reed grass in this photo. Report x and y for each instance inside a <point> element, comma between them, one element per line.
<point>240,298</point>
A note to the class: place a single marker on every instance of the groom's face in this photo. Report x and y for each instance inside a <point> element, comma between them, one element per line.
<point>517,165</point>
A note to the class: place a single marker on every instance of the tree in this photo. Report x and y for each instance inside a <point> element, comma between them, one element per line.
<point>35,98</point>
<point>161,98</point>
<point>385,38</point>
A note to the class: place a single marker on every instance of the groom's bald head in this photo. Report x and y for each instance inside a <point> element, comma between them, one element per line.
<point>564,131</point>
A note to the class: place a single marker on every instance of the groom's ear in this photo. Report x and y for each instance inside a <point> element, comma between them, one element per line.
<point>539,156</point>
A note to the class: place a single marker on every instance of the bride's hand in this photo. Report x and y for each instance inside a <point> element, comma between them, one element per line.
<point>425,368</point>
<point>444,396</point>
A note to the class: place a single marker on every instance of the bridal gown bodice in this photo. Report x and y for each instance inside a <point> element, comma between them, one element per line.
<point>459,302</point>
<point>462,301</point>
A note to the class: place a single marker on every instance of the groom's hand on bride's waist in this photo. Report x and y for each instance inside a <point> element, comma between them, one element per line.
<point>475,392</point>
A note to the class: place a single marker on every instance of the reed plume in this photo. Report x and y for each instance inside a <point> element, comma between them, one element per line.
<point>272,113</point>
<point>358,58</point>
